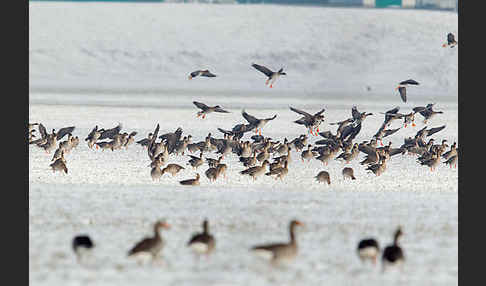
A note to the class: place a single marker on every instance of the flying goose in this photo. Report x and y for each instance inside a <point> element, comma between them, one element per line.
<point>208,109</point>
<point>310,121</point>
<point>205,73</point>
<point>258,124</point>
<point>272,76</point>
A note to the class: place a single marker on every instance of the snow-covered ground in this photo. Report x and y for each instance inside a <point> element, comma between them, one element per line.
<point>110,195</point>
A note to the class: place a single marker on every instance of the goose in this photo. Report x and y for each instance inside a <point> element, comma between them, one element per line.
<point>280,252</point>
<point>205,73</point>
<point>256,171</point>
<point>258,124</point>
<point>191,182</point>
<point>368,248</point>
<point>150,246</point>
<point>348,173</point>
<point>451,41</point>
<point>208,109</point>
<point>393,254</point>
<point>172,169</point>
<point>82,245</point>
<point>323,177</point>
<point>272,76</point>
<point>204,242</point>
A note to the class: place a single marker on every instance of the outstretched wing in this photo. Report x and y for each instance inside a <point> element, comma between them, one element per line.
<point>418,109</point>
<point>219,109</point>
<point>263,69</point>
<point>300,111</point>
<point>389,132</point>
<point>320,112</point>
<point>194,73</point>
<point>251,119</point>
<point>403,93</point>
<point>409,81</point>
<point>434,130</point>
<point>207,73</point>
<point>133,133</point>
<point>200,105</point>
<point>42,130</point>
<point>111,132</point>
<point>63,131</point>
<point>393,111</point>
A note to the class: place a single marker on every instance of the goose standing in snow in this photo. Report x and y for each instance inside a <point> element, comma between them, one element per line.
<point>368,249</point>
<point>204,242</point>
<point>82,245</point>
<point>150,246</point>
<point>280,252</point>
<point>393,254</point>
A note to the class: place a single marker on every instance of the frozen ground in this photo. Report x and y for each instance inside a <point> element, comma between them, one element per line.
<point>110,196</point>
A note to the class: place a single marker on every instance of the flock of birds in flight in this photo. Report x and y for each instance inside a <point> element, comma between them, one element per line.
<point>255,156</point>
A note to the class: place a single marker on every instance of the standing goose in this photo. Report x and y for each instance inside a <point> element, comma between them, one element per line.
<point>195,162</point>
<point>82,244</point>
<point>207,109</point>
<point>156,173</point>
<point>173,169</point>
<point>323,177</point>
<point>205,73</point>
<point>93,136</point>
<point>281,172</point>
<point>272,76</point>
<point>348,173</point>
<point>256,171</point>
<point>204,242</point>
<point>393,254</point>
<point>150,245</point>
<point>191,182</point>
<point>258,124</point>
<point>451,41</point>
<point>59,164</point>
<point>451,152</point>
<point>280,252</point>
<point>307,154</point>
<point>368,249</point>
<point>452,161</point>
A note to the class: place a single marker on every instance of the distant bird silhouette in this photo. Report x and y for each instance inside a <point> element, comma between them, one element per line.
<point>205,73</point>
<point>451,41</point>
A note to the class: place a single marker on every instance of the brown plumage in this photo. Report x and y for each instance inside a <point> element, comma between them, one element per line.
<point>348,173</point>
<point>279,252</point>
<point>323,177</point>
<point>204,242</point>
<point>191,182</point>
<point>151,245</point>
<point>172,169</point>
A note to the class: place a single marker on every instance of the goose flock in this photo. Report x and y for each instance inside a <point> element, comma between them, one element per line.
<point>261,156</point>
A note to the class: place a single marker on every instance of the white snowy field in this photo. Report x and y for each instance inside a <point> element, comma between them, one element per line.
<point>111,196</point>
<point>101,64</point>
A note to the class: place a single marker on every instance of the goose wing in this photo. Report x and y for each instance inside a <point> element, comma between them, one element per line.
<point>300,111</point>
<point>263,69</point>
<point>63,131</point>
<point>251,119</point>
<point>200,105</point>
<point>403,93</point>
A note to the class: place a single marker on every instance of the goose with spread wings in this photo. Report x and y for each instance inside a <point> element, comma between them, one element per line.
<point>208,109</point>
<point>272,76</point>
<point>402,88</point>
<point>255,122</point>
<point>205,73</point>
<point>310,121</point>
